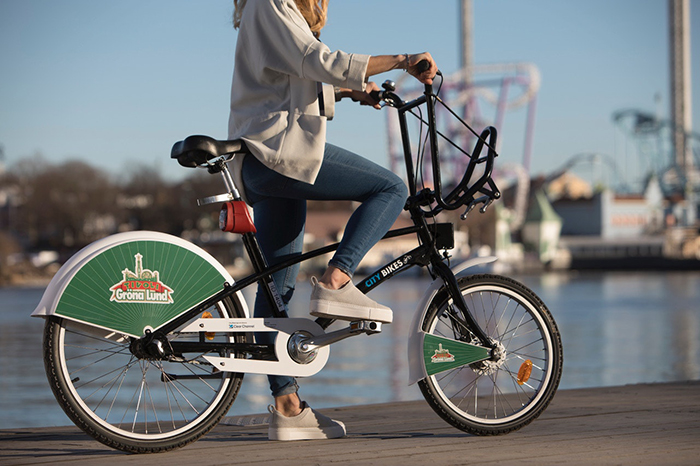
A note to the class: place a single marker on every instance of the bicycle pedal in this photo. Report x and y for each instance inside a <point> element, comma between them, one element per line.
<point>367,326</point>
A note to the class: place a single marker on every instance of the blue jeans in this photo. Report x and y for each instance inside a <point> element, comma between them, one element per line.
<point>279,205</point>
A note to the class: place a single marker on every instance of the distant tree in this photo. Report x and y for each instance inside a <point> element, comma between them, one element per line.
<point>198,186</point>
<point>66,205</point>
<point>147,201</point>
<point>8,246</point>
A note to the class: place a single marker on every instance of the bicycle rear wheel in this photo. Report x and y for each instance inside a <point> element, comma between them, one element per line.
<point>510,390</point>
<point>131,404</point>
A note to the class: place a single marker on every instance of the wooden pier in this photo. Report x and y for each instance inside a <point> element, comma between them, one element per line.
<point>636,424</point>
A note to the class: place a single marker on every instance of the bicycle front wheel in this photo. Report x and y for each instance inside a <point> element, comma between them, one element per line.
<point>132,404</point>
<point>512,388</point>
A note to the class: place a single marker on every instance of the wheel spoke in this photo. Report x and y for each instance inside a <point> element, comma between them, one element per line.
<point>109,383</point>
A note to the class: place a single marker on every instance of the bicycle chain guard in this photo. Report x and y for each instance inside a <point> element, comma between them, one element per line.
<point>285,329</point>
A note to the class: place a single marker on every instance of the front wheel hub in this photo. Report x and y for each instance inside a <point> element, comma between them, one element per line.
<point>489,366</point>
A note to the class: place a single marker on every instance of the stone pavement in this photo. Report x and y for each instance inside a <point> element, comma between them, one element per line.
<point>650,424</point>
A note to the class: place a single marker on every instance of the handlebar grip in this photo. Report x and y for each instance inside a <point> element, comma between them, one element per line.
<point>376,95</point>
<point>423,66</point>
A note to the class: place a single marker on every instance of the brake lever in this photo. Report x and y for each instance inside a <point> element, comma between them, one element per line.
<point>486,205</point>
<point>466,212</point>
<point>486,200</point>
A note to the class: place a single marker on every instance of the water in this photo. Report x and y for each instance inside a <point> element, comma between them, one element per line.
<point>617,328</point>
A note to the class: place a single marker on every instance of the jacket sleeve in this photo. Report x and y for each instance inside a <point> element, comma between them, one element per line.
<point>289,47</point>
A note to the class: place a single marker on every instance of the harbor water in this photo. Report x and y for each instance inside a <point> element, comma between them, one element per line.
<point>617,328</point>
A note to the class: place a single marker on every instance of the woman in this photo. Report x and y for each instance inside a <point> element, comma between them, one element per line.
<point>280,108</point>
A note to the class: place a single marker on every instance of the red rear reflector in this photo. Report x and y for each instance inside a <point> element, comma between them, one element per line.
<point>234,217</point>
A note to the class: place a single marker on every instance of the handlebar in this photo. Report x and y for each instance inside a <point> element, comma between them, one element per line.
<point>463,194</point>
<point>423,66</point>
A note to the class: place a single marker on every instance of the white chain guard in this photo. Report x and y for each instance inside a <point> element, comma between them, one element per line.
<point>284,327</point>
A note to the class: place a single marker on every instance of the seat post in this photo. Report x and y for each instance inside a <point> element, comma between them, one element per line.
<point>228,181</point>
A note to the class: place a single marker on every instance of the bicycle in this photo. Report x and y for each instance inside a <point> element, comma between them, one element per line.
<point>151,359</point>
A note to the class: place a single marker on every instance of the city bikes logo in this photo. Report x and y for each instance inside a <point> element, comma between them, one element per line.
<point>141,286</point>
<point>442,355</point>
<point>387,271</point>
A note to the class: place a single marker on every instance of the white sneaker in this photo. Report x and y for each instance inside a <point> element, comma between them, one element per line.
<point>309,425</point>
<point>347,303</point>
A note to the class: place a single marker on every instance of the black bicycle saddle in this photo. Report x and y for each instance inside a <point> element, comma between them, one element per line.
<point>196,151</point>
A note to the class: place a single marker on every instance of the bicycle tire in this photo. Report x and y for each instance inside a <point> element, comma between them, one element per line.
<point>136,405</point>
<point>504,395</point>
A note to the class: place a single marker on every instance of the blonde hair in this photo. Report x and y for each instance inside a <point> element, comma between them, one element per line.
<point>315,12</point>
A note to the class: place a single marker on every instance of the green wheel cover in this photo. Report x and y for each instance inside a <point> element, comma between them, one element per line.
<point>138,285</point>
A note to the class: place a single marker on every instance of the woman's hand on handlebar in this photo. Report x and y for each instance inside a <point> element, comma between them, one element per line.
<point>423,72</point>
<point>363,97</point>
<point>420,65</point>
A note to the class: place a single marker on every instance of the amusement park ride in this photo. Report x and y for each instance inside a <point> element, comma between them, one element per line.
<point>667,148</point>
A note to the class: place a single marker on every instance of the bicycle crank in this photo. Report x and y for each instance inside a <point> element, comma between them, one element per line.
<point>303,346</point>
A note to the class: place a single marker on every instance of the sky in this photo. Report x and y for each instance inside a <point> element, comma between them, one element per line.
<point>117,83</point>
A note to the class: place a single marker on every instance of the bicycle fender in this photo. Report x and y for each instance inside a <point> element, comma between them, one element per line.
<point>130,282</point>
<point>416,337</point>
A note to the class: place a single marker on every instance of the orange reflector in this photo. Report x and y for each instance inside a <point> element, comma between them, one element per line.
<point>524,372</point>
<point>208,335</point>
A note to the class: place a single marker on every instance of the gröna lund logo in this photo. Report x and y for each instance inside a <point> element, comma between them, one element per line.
<point>141,286</point>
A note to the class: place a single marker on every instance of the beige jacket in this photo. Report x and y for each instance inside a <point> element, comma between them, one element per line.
<point>275,91</point>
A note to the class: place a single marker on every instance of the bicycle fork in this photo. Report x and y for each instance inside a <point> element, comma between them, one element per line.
<point>443,271</point>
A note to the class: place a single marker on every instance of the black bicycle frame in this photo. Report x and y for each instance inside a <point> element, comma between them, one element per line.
<point>428,253</point>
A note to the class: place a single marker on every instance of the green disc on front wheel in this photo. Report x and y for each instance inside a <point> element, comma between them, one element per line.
<point>442,354</point>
